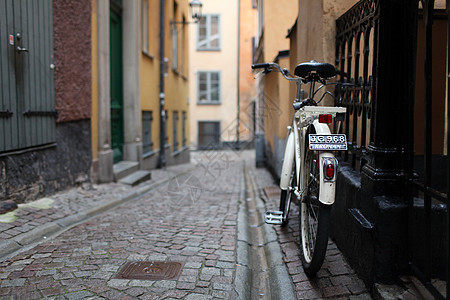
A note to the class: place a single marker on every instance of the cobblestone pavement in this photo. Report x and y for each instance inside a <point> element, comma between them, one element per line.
<point>192,219</point>
<point>70,202</point>
<point>336,280</point>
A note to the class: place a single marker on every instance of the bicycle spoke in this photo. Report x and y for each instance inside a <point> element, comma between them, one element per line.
<point>312,206</point>
<point>312,213</point>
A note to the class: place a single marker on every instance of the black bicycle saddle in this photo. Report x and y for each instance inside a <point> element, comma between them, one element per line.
<point>313,68</point>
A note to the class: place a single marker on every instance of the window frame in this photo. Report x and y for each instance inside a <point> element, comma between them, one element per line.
<point>208,86</point>
<point>208,39</point>
<point>175,142</point>
<point>218,135</point>
<point>174,47</point>
<point>183,128</point>
<point>147,146</point>
<point>145,45</point>
<point>183,47</point>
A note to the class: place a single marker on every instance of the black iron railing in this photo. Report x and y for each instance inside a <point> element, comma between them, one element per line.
<point>356,33</point>
<point>428,198</point>
<point>385,149</point>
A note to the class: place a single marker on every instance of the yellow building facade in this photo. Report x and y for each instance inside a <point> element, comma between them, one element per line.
<point>128,98</point>
<point>273,105</point>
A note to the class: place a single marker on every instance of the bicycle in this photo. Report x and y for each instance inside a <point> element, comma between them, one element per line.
<point>309,167</point>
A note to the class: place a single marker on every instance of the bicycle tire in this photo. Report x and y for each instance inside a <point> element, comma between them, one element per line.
<point>314,219</point>
<point>286,198</point>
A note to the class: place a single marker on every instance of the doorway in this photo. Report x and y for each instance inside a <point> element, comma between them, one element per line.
<point>116,76</point>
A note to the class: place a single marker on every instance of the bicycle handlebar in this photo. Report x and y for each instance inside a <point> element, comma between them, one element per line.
<point>261,66</point>
<point>284,72</point>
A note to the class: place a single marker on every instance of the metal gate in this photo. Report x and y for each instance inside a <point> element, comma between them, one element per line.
<point>27,96</point>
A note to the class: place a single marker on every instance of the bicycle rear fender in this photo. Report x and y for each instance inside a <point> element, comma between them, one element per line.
<point>288,161</point>
<point>321,128</point>
<point>327,187</point>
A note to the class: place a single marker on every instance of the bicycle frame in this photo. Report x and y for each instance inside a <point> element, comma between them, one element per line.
<point>309,149</point>
<point>295,150</point>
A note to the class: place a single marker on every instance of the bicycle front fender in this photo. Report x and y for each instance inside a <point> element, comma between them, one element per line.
<point>288,161</point>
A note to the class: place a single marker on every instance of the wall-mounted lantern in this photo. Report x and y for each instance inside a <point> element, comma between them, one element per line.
<point>195,7</point>
<point>196,10</point>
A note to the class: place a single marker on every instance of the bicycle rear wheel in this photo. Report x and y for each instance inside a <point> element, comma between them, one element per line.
<point>314,218</point>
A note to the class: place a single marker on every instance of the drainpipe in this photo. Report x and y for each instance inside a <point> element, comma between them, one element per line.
<point>162,113</point>
<point>238,70</point>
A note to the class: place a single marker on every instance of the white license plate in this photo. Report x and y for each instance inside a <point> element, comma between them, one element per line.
<point>327,142</point>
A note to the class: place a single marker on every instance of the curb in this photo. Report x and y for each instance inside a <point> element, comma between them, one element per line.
<point>39,233</point>
<point>242,281</point>
<point>281,286</point>
<point>277,276</point>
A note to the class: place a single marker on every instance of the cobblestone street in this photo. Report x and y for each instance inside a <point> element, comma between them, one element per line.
<point>190,216</point>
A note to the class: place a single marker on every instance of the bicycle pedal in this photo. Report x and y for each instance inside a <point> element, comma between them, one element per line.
<point>274,217</point>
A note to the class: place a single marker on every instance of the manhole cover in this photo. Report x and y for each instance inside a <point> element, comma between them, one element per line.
<point>150,270</point>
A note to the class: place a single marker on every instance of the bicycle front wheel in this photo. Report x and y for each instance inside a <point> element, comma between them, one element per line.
<point>314,218</point>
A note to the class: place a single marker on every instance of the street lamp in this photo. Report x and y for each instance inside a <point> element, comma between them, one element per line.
<point>195,7</point>
<point>196,10</point>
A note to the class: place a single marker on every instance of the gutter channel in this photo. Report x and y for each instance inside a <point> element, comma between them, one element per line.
<point>261,272</point>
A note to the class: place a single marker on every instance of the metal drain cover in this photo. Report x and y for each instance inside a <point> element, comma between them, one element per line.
<point>150,270</point>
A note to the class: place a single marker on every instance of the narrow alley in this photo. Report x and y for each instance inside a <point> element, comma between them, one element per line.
<point>199,215</point>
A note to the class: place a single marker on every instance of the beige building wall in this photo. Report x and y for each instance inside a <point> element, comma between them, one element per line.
<point>274,19</point>
<point>223,61</point>
<point>277,18</point>
<point>278,105</point>
<point>247,83</point>
<point>316,28</point>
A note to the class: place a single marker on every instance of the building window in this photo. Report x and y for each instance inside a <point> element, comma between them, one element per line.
<point>147,143</point>
<point>166,135</point>
<point>208,35</point>
<point>175,38</point>
<point>175,131</point>
<point>174,47</point>
<point>183,128</point>
<point>260,21</point>
<point>145,23</point>
<point>183,48</point>
<point>208,86</point>
<point>208,135</point>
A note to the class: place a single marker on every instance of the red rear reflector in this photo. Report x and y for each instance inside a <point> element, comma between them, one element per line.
<point>329,171</point>
<point>325,118</point>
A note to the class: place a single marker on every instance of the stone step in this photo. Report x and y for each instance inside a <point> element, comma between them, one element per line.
<point>124,168</point>
<point>136,177</point>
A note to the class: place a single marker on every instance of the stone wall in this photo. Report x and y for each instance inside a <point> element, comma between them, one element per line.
<point>29,175</point>
<point>72,56</point>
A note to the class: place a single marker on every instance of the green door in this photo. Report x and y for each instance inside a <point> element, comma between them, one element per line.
<point>116,84</point>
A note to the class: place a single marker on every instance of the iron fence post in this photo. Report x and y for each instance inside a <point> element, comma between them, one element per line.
<point>384,176</point>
